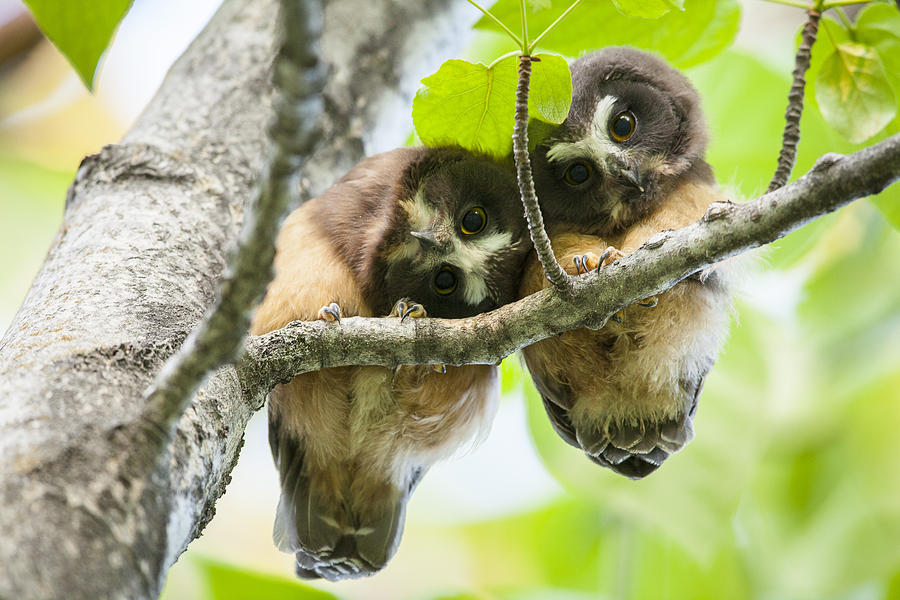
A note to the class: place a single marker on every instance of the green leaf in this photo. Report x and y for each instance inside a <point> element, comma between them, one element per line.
<point>877,22</point>
<point>230,583</point>
<point>684,37</point>
<point>81,29</point>
<point>472,105</point>
<point>550,93</point>
<point>853,92</point>
<point>879,26</point>
<point>720,31</point>
<point>647,9</point>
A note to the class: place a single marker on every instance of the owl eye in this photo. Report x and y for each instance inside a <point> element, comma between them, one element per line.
<point>622,126</point>
<point>578,173</point>
<point>445,281</point>
<point>473,221</point>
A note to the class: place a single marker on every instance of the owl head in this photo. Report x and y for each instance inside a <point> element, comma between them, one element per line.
<point>634,130</point>
<point>458,244</point>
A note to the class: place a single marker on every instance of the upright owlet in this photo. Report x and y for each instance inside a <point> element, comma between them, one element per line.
<point>627,163</point>
<point>404,231</point>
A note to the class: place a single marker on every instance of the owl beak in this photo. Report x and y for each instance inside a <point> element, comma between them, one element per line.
<point>427,237</point>
<point>632,177</point>
<point>626,171</point>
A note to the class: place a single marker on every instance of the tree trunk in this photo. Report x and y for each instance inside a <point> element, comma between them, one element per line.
<point>96,503</point>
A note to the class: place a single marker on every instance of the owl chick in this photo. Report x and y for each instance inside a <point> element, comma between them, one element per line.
<point>402,231</point>
<point>627,163</point>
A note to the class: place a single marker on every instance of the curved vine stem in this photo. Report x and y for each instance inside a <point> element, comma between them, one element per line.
<point>791,136</point>
<point>554,272</point>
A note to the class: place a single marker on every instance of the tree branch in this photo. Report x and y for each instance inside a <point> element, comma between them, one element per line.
<point>299,78</point>
<point>726,230</point>
<point>791,136</point>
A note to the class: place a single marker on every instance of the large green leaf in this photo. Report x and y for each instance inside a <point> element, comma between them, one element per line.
<point>81,29</point>
<point>702,30</point>
<point>472,105</point>
<point>853,92</point>
<point>647,9</point>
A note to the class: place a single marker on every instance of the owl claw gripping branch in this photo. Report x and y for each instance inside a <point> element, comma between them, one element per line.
<point>351,443</point>
<point>626,164</point>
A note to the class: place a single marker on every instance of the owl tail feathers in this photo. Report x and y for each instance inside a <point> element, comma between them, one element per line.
<point>635,451</point>
<point>328,537</point>
<point>358,552</point>
<point>325,548</point>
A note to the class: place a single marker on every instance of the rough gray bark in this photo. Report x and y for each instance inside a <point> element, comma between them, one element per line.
<point>726,230</point>
<point>97,504</point>
<point>299,79</point>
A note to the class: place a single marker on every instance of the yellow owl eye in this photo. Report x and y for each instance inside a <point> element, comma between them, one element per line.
<point>445,281</point>
<point>621,127</point>
<point>473,221</point>
<point>578,173</point>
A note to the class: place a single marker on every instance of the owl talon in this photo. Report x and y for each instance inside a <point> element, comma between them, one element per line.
<point>578,265</point>
<point>650,302</point>
<point>407,308</point>
<point>618,317</point>
<point>609,256</point>
<point>586,263</point>
<point>442,369</point>
<point>330,313</point>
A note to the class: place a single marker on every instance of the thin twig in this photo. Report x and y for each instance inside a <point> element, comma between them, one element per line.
<point>490,16</point>
<point>795,4</point>
<point>554,272</point>
<point>791,136</point>
<point>551,27</point>
<point>300,78</point>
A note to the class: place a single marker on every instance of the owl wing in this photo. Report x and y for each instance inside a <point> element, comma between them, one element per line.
<point>556,397</point>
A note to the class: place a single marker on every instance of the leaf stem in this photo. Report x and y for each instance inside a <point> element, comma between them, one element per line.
<point>525,45</point>
<point>537,40</point>
<point>845,19</point>
<point>835,3</point>
<point>795,4</point>
<point>555,273</point>
<point>500,23</point>
<point>503,57</point>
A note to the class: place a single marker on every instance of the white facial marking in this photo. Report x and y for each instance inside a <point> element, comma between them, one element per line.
<point>471,257</point>
<point>597,145</point>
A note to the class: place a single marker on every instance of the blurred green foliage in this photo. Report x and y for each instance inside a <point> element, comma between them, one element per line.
<point>31,199</point>
<point>226,582</point>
